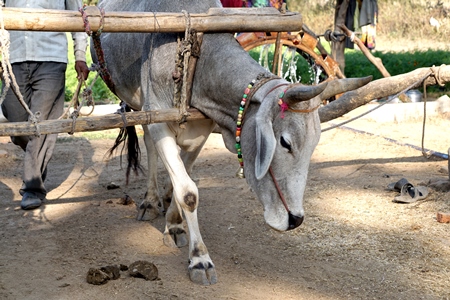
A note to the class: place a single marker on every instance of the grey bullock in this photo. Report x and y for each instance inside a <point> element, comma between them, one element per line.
<point>278,134</point>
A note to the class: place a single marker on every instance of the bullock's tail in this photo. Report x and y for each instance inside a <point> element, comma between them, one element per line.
<point>129,135</point>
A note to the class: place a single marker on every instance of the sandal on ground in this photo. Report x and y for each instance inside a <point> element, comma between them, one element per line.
<point>410,193</point>
<point>397,186</point>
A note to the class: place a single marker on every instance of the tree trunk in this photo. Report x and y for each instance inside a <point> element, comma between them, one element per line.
<point>338,45</point>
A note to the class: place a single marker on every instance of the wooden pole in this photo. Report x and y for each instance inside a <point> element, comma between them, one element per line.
<point>96,123</point>
<point>338,47</point>
<point>215,20</point>
<point>376,61</point>
<point>276,67</point>
<point>383,87</point>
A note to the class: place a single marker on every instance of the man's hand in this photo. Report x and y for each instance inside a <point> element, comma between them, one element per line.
<point>82,69</point>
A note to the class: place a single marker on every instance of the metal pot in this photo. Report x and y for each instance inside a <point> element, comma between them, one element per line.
<point>414,95</point>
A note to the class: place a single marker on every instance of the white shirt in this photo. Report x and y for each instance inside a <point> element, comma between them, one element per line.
<point>43,45</point>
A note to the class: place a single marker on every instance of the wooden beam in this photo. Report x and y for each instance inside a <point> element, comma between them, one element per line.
<point>376,61</point>
<point>384,87</point>
<point>96,123</point>
<point>216,20</point>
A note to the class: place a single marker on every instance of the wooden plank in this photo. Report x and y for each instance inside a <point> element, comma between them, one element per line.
<point>96,123</point>
<point>216,20</point>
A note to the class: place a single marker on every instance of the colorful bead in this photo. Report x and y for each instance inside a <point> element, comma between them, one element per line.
<point>238,127</point>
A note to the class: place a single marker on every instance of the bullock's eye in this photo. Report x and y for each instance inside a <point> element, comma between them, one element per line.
<point>285,144</point>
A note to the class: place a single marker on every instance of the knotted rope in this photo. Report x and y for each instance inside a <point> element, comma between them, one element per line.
<point>187,47</point>
<point>87,99</point>
<point>86,95</point>
<point>435,72</point>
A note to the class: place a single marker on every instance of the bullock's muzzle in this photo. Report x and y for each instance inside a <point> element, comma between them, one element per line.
<point>294,221</point>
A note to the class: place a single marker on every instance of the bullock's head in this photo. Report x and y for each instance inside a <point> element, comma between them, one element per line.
<point>285,134</point>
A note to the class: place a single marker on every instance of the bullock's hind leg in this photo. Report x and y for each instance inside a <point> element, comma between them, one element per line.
<point>151,198</point>
<point>185,193</point>
<point>166,198</point>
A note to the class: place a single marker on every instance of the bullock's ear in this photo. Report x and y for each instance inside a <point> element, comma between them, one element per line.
<point>265,147</point>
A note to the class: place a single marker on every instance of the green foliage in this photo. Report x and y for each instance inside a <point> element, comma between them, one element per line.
<point>357,65</point>
<point>100,91</point>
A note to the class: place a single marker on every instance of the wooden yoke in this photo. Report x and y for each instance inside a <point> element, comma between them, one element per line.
<point>215,20</point>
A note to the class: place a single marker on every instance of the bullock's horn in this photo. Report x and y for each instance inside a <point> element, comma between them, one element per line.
<point>299,92</point>
<point>339,86</point>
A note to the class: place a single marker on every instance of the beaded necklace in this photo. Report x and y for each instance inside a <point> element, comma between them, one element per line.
<point>248,92</point>
<point>240,172</point>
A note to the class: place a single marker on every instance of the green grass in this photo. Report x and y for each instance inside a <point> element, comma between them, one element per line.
<point>357,65</point>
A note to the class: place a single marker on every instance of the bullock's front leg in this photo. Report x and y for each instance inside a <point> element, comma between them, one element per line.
<point>185,193</point>
<point>174,233</point>
<point>151,199</point>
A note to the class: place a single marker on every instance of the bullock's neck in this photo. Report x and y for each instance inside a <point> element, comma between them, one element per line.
<point>224,70</point>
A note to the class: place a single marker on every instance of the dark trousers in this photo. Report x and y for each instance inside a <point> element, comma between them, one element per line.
<point>42,85</point>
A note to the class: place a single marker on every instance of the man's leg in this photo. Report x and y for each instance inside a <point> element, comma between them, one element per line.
<point>44,87</point>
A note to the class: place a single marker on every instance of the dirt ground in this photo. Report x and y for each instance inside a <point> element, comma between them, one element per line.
<point>355,243</point>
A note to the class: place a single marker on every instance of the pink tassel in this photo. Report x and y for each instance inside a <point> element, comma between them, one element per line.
<point>284,107</point>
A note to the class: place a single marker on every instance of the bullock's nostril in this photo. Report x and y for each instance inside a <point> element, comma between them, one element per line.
<point>294,221</point>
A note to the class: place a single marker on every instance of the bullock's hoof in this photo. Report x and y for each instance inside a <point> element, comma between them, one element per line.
<point>175,238</point>
<point>144,207</point>
<point>203,273</point>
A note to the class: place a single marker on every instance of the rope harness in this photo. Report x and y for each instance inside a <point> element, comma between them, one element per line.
<point>252,88</point>
<point>101,67</point>
<point>188,51</point>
